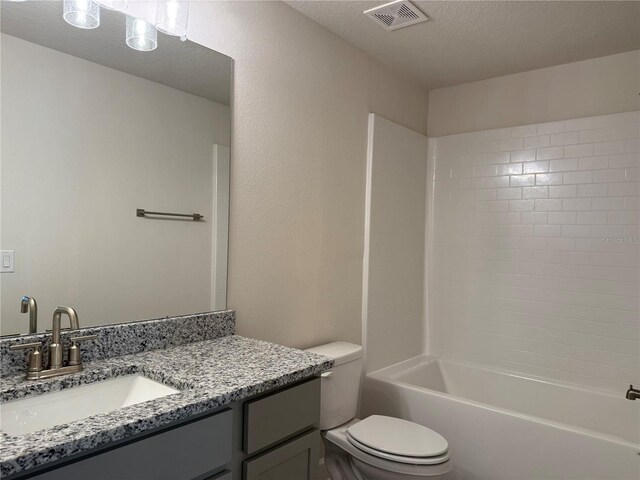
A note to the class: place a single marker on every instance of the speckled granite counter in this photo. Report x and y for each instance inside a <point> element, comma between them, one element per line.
<point>125,338</point>
<point>210,374</point>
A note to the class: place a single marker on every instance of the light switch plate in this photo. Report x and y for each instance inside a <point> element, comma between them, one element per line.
<point>7,261</point>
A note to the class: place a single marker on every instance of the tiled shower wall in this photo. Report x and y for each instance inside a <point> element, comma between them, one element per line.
<point>534,249</point>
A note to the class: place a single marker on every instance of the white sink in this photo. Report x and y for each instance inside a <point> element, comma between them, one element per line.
<point>38,412</point>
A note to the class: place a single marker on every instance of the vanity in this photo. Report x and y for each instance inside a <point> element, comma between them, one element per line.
<point>220,407</point>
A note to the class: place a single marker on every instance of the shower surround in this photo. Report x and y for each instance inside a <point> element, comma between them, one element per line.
<point>533,250</point>
<point>530,316</point>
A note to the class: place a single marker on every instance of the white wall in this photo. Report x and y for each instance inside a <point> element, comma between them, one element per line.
<point>83,146</point>
<point>301,100</point>
<point>590,87</point>
<point>393,304</point>
<point>534,257</point>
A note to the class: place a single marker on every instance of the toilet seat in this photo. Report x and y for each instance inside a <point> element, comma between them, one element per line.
<point>338,437</point>
<point>398,458</point>
<point>398,440</point>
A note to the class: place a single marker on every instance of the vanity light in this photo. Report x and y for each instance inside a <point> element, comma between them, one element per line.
<point>172,17</point>
<point>81,13</point>
<point>113,4</point>
<point>141,35</point>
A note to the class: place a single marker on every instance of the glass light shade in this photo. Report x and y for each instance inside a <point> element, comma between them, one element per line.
<point>81,13</point>
<point>172,17</point>
<point>141,35</point>
<point>113,4</point>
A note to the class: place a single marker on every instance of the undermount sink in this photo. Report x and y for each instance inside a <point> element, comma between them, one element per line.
<point>47,410</point>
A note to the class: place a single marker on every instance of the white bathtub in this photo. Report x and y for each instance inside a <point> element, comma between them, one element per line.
<point>502,425</point>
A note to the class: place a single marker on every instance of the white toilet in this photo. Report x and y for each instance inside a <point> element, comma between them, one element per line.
<point>378,447</point>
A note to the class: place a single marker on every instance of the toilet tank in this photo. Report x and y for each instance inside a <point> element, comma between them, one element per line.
<point>340,385</point>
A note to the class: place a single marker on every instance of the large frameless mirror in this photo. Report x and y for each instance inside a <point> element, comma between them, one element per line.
<point>101,144</point>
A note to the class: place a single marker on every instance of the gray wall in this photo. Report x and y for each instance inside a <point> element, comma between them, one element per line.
<point>301,100</point>
<point>592,87</point>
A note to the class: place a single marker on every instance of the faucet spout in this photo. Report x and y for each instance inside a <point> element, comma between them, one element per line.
<point>55,349</point>
<point>28,304</point>
<point>632,393</point>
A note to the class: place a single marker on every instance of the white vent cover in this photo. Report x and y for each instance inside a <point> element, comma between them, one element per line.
<point>398,14</point>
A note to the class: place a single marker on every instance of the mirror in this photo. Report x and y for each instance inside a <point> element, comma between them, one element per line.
<point>92,132</point>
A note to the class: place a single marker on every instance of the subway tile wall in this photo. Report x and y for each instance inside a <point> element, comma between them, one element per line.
<point>534,249</point>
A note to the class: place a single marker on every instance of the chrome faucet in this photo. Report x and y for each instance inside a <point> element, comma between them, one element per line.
<point>35,367</point>
<point>632,393</point>
<point>28,304</point>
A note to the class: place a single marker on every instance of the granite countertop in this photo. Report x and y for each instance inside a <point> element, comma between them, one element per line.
<point>209,374</point>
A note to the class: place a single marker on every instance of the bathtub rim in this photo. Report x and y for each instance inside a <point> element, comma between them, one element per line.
<point>390,375</point>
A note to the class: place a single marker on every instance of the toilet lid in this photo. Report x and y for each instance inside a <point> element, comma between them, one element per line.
<point>398,458</point>
<point>398,437</point>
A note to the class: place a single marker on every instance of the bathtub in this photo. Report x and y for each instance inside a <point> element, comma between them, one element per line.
<point>503,425</point>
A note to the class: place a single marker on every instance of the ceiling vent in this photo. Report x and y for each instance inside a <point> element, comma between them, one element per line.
<point>395,15</point>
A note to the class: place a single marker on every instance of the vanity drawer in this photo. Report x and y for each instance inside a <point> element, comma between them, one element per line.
<point>295,460</point>
<point>183,452</point>
<point>276,417</point>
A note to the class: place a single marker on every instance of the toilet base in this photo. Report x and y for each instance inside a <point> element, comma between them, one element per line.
<point>338,463</point>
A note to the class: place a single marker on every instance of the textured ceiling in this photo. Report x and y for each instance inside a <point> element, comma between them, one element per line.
<point>185,66</point>
<point>469,41</point>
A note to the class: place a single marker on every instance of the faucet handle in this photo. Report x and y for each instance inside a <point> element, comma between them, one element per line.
<point>74,350</point>
<point>35,357</point>
<point>83,338</point>
<point>22,346</point>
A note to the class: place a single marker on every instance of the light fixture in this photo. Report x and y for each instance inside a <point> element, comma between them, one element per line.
<point>81,13</point>
<point>141,35</point>
<point>113,4</point>
<point>172,17</point>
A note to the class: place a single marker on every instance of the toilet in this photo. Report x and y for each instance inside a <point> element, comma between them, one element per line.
<point>377,447</point>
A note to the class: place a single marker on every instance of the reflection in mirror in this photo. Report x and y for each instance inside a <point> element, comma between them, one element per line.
<point>92,131</point>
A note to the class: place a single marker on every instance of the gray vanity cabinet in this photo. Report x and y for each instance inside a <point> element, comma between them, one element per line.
<point>280,432</point>
<point>187,451</point>
<point>276,417</point>
<point>295,460</point>
<point>274,436</point>
<point>226,475</point>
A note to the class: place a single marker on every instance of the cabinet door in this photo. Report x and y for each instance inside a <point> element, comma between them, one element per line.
<point>294,460</point>
<point>180,453</point>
